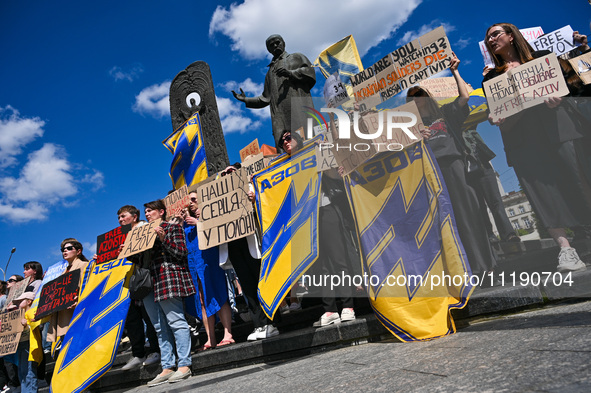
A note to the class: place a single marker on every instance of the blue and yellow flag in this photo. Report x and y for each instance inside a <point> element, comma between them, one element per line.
<point>189,164</point>
<point>287,206</point>
<point>411,250</point>
<point>478,108</point>
<point>342,58</point>
<point>90,345</point>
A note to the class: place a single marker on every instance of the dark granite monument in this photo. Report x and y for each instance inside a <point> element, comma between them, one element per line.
<point>287,89</point>
<point>192,91</point>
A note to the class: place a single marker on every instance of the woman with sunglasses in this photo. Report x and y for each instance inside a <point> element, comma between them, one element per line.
<point>59,322</point>
<point>545,145</point>
<point>210,280</point>
<point>443,133</point>
<point>172,282</point>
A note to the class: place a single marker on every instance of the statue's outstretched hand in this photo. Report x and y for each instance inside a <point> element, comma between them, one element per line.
<point>239,97</point>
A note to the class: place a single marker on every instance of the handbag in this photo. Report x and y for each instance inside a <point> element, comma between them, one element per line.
<point>140,283</point>
<point>473,167</point>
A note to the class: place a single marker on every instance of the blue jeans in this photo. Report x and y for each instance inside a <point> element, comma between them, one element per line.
<point>27,371</point>
<point>168,319</point>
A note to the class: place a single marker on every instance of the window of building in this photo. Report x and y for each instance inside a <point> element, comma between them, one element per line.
<point>515,224</point>
<point>527,222</point>
<point>521,209</point>
<point>511,212</point>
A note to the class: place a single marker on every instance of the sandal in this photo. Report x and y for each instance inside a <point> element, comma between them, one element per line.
<point>226,342</point>
<point>205,347</point>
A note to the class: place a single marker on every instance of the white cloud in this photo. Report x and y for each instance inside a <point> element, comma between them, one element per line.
<point>47,179</point>
<point>153,100</point>
<point>15,133</point>
<point>250,23</point>
<point>247,85</point>
<point>462,43</point>
<point>232,117</point>
<point>129,75</point>
<point>414,34</point>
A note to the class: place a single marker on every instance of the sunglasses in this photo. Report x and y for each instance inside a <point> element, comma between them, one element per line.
<point>194,200</point>
<point>11,280</point>
<point>287,138</point>
<point>69,248</point>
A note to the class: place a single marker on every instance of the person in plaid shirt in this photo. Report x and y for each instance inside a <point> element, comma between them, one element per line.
<point>172,282</point>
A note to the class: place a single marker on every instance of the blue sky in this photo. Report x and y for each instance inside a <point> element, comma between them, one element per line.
<point>84,91</point>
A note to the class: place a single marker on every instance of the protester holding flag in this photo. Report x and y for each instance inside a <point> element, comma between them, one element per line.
<point>443,135</point>
<point>60,321</point>
<point>172,282</point>
<point>544,145</point>
<point>210,280</point>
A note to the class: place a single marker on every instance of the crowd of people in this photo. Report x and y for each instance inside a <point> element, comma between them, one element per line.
<point>547,145</point>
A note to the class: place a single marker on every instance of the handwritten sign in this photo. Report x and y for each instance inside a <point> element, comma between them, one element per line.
<point>226,212</point>
<point>406,66</point>
<point>325,158</point>
<point>530,35</point>
<point>254,164</point>
<point>11,329</point>
<point>58,294</point>
<point>108,243</point>
<point>442,88</point>
<point>176,201</point>
<point>582,66</point>
<point>525,86</point>
<point>559,41</point>
<point>350,153</point>
<point>140,239</point>
<point>252,149</point>
<point>335,92</point>
<point>15,291</point>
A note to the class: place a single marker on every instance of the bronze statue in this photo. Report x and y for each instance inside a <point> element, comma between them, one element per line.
<point>287,89</point>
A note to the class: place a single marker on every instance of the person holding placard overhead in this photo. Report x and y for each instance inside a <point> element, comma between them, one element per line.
<point>443,128</point>
<point>544,146</point>
<point>172,282</point>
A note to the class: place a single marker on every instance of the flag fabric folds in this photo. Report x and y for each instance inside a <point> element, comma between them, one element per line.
<point>342,58</point>
<point>189,163</point>
<point>287,206</point>
<point>90,345</point>
<point>411,251</point>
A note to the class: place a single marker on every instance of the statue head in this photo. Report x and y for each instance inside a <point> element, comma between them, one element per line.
<point>275,45</point>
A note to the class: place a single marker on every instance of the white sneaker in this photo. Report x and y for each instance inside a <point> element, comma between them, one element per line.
<point>268,332</point>
<point>348,314</point>
<point>255,333</point>
<point>152,358</point>
<point>328,319</point>
<point>295,306</point>
<point>568,260</point>
<point>133,363</point>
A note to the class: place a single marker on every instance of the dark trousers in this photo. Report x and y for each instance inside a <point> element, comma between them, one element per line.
<point>334,258</point>
<point>248,270</point>
<point>488,194</point>
<point>135,330</point>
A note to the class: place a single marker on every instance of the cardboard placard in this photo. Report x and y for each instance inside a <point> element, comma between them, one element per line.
<point>582,66</point>
<point>15,291</point>
<point>406,66</point>
<point>11,329</point>
<point>175,201</point>
<point>226,212</point>
<point>335,93</point>
<point>141,238</point>
<point>530,35</point>
<point>525,86</point>
<point>442,88</point>
<point>559,41</point>
<point>58,294</point>
<point>352,152</point>
<point>108,244</point>
<point>254,164</point>
<point>325,158</point>
<point>252,149</point>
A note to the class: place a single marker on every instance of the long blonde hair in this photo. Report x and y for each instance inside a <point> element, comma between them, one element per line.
<point>523,48</point>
